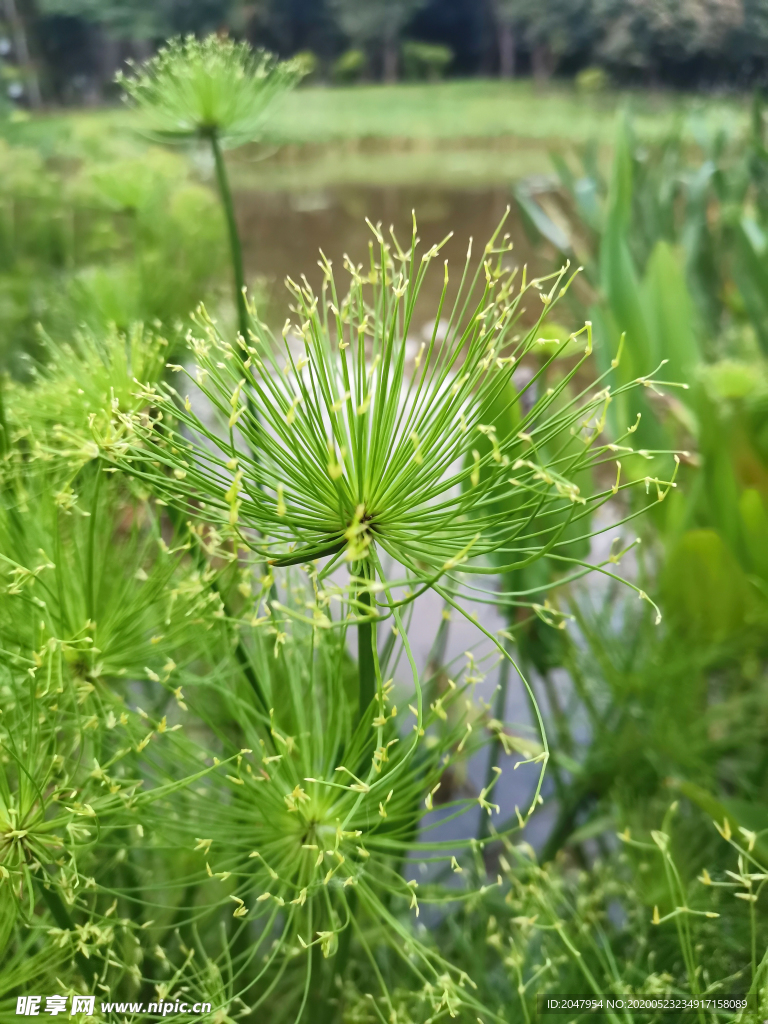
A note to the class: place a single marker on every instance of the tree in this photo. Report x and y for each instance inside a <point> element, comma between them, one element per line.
<point>111,30</point>
<point>144,19</point>
<point>646,35</point>
<point>551,29</point>
<point>376,23</point>
<point>510,15</point>
<point>18,30</point>
<point>749,49</point>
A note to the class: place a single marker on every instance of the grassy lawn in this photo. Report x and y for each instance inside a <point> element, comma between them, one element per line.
<point>459,133</point>
<point>464,133</point>
<point>473,109</point>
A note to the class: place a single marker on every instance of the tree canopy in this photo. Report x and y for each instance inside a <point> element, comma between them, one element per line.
<point>681,42</point>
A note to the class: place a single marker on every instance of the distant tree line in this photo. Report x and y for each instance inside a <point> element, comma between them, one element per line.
<point>69,50</point>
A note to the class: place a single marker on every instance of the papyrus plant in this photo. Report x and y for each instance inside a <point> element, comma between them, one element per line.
<point>310,839</point>
<point>218,91</point>
<point>74,388</point>
<point>85,562</point>
<point>332,443</point>
<point>74,768</point>
<point>270,788</point>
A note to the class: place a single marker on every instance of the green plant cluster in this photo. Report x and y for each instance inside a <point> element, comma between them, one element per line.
<point>425,60</point>
<point>670,242</point>
<point>252,806</point>
<point>115,241</point>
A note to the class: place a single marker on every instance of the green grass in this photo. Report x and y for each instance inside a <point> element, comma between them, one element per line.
<point>471,109</point>
<point>462,133</point>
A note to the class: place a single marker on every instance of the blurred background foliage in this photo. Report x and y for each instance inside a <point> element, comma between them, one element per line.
<point>112,243</point>
<point>671,239</point>
<point>71,49</point>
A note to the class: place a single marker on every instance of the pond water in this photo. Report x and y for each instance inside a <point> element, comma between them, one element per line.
<point>283,231</point>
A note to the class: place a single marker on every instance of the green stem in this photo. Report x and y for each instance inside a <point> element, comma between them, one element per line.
<point>61,916</point>
<point>3,423</point>
<point>328,976</point>
<point>91,590</point>
<point>201,562</point>
<point>493,756</point>
<point>309,556</point>
<point>319,1001</point>
<point>565,739</point>
<point>342,954</point>
<point>570,806</point>
<point>366,666</point>
<point>235,248</point>
<point>753,933</point>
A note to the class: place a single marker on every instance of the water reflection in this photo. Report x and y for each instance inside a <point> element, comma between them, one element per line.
<point>283,231</point>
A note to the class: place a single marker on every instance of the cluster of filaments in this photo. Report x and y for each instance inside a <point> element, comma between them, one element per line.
<point>335,440</point>
<point>301,847</point>
<point>214,86</point>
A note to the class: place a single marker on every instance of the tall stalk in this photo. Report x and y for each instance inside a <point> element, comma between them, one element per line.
<point>60,915</point>
<point>493,753</point>
<point>198,556</point>
<point>366,665</point>
<point>90,583</point>
<point>235,246</point>
<point>3,423</point>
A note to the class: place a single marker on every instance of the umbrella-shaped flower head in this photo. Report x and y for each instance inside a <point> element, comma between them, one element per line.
<point>347,438</point>
<point>212,87</point>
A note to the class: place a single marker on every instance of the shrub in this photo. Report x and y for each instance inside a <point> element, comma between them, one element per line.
<point>592,80</point>
<point>307,62</point>
<point>425,60</point>
<point>349,67</point>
